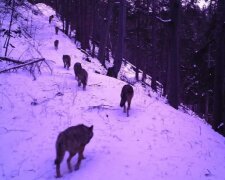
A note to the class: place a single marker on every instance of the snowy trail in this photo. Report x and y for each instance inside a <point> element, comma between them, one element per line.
<point>155,142</point>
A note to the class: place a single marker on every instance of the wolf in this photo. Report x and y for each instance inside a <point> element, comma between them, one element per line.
<point>73,139</point>
<point>66,61</point>
<point>50,18</point>
<point>111,72</point>
<point>77,67</point>
<point>82,76</point>
<point>56,44</point>
<point>56,30</point>
<point>127,94</point>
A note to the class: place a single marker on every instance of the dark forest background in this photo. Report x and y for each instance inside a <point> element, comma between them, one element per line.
<point>178,44</point>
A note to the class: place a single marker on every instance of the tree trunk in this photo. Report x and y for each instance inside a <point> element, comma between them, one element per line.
<point>218,105</point>
<point>154,68</point>
<point>173,66</point>
<point>120,48</point>
<point>105,34</point>
<point>10,25</point>
<point>67,16</point>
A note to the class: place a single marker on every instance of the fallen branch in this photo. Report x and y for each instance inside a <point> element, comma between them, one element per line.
<point>40,55</point>
<point>163,20</point>
<point>12,130</point>
<point>22,65</point>
<point>11,60</point>
<point>85,52</point>
<point>101,106</point>
<point>48,66</point>
<point>97,84</point>
<point>35,101</point>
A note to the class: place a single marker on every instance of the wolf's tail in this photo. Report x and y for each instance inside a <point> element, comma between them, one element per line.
<point>59,149</point>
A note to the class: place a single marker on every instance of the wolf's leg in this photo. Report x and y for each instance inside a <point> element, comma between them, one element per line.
<point>79,82</point>
<point>69,159</point>
<point>124,108</point>
<point>75,74</point>
<point>128,108</point>
<point>58,174</point>
<point>80,157</point>
<point>84,86</point>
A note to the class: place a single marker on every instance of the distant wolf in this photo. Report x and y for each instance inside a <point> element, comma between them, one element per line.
<point>77,67</point>
<point>111,72</point>
<point>66,61</point>
<point>56,29</point>
<point>50,19</point>
<point>73,139</point>
<point>127,94</point>
<point>82,76</point>
<point>56,44</point>
<point>87,59</point>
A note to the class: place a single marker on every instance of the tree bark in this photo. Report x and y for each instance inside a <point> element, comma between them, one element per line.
<point>154,68</point>
<point>218,105</point>
<point>22,65</point>
<point>105,34</point>
<point>120,48</point>
<point>10,25</point>
<point>173,66</point>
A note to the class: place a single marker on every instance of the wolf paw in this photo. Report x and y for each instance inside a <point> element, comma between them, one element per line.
<point>76,168</point>
<point>58,176</point>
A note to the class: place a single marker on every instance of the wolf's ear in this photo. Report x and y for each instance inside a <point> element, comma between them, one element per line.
<point>91,128</point>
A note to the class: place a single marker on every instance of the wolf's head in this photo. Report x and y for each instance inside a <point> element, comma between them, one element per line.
<point>77,67</point>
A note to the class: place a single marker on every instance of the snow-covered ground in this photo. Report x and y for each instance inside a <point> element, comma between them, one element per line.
<point>155,142</point>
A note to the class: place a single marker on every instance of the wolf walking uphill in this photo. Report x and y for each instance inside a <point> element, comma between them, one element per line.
<point>56,30</point>
<point>81,75</point>
<point>66,61</point>
<point>83,78</point>
<point>73,139</point>
<point>77,67</point>
<point>50,18</point>
<point>56,44</point>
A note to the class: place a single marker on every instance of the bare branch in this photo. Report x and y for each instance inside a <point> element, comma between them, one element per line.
<point>22,65</point>
<point>12,130</point>
<point>35,101</point>
<point>101,106</point>
<point>163,20</point>
<point>11,60</point>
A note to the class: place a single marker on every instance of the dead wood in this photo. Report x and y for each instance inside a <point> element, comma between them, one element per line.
<point>101,106</point>
<point>23,65</point>
<point>11,60</point>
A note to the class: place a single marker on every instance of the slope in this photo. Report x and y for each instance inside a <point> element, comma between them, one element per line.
<point>155,142</point>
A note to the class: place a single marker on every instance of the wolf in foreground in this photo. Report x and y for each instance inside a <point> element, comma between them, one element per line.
<point>127,94</point>
<point>73,139</point>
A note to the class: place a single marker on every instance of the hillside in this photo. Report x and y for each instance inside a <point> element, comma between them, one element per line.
<point>155,142</point>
